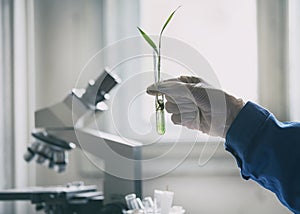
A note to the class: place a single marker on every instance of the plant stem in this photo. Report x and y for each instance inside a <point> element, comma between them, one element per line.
<point>159,58</point>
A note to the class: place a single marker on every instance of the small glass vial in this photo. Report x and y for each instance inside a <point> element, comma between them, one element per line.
<point>159,99</point>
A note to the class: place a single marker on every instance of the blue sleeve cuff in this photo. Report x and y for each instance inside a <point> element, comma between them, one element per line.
<point>242,131</point>
<point>268,152</point>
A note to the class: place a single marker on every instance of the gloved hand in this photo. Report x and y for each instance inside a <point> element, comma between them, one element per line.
<point>198,105</point>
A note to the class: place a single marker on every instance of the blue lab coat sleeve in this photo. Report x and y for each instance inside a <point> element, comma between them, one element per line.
<point>268,152</point>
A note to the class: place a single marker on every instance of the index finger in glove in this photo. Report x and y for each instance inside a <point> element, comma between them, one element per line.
<point>154,89</point>
<point>190,79</point>
<point>170,88</point>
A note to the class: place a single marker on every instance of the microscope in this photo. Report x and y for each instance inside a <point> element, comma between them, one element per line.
<point>61,128</point>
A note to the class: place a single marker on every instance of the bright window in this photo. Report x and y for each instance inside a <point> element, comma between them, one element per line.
<point>222,31</point>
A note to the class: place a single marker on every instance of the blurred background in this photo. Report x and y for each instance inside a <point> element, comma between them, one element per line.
<point>252,46</point>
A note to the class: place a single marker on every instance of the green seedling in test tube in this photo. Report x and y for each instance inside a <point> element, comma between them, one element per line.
<point>159,98</point>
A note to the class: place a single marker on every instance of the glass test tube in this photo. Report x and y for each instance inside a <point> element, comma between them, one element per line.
<point>159,101</point>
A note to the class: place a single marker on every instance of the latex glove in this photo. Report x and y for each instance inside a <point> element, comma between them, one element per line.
<point>197,105</point>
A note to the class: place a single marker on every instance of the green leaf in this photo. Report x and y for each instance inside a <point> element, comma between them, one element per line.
<point>148,39</point>
<point>168,20</point>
